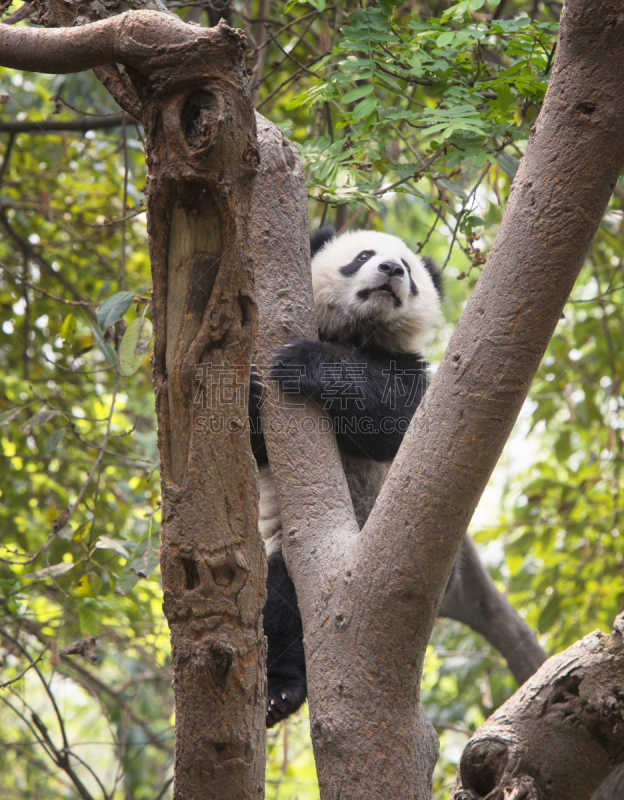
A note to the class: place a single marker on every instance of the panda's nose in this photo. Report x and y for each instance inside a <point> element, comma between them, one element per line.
<point>391,268</point>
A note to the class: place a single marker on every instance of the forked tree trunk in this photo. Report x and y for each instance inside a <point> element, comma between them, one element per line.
<point>369,601</point>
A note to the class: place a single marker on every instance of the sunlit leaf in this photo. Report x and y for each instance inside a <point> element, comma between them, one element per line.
<point>134,345</point>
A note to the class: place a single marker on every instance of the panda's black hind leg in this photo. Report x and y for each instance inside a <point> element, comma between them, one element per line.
<point>286,674</point>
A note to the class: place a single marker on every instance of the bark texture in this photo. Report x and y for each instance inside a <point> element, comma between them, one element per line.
<point>202,156</point>
<point>559,735</point>
<point>66,13</point>
<point>472,598</point>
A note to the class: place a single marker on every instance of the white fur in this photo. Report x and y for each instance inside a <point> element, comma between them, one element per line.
<point>269,514</point>
<point>339,309</point>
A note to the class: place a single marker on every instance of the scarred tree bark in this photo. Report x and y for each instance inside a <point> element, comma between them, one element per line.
<point>192,96</point>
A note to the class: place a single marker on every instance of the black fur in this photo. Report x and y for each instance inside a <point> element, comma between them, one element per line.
<point>371,396</point>
<point>320,239</point>
<point>286,672</point>
<point>436,274</point>
<point>256,392</point>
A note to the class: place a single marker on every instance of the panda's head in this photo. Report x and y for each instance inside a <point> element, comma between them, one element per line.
<point>371,289</point>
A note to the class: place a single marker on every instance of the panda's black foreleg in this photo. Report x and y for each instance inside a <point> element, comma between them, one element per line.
<point>286,673</point>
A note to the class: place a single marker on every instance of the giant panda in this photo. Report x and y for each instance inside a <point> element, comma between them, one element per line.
<point>376,303</point>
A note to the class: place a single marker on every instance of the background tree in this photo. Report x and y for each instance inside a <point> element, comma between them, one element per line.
<point>57,241</point>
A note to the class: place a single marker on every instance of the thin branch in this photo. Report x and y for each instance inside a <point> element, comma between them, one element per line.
<point>53,125</point>
<point>24,671</point>
<point>36,288</point>
<point>23,12</point>
<point>7,156</point>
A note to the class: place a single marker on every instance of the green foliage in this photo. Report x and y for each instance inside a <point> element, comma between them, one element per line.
<point>79,508</point>
<point>417,95</point>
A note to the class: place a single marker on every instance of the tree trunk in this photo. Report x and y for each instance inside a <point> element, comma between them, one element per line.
<point>368,601</point>
<point>202,156</point>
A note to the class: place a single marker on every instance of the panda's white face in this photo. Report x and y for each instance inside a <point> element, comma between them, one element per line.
<point>371,286</point>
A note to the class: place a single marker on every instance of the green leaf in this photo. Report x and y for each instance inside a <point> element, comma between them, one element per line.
<point>126,580</point>
<point>474,221</point>
<point>9,416</point>
<point>508,163</point>
<point>113,309</point>
<point>504,96</point>
<point>445,38</point>
<point>134,345</point>
<point>40,418</point>
<point>54,441</point>
<point>453,187</point>
<point>68,327</point>
<point>365,108</point>
<point>355,94</point>
<point>108,350</point>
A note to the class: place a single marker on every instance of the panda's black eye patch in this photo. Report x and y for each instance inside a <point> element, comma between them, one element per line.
<point>406,265</point>
<point>350,269</point>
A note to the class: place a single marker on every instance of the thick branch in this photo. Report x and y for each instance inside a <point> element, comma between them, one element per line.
<point>559,735</point>
<point>139,39</point>
<point>575,154</point>
<point>472,598</point>
<point>309,472</point>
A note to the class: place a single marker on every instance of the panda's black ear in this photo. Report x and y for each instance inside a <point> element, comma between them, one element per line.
<point>320,239</point>
<point>436,274</point>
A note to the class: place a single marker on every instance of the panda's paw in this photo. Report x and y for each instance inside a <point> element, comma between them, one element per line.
<point>283,701</point>
<point>257,387</point>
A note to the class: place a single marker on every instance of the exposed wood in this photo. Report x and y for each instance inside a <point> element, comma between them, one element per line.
<point>202,156</point>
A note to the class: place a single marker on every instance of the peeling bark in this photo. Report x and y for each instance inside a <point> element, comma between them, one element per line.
<point>559,735</point>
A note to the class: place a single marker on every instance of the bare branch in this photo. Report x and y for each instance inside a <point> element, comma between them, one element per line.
<point>139,39</point>
<point>472,598</point>
<point>51,125</point>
